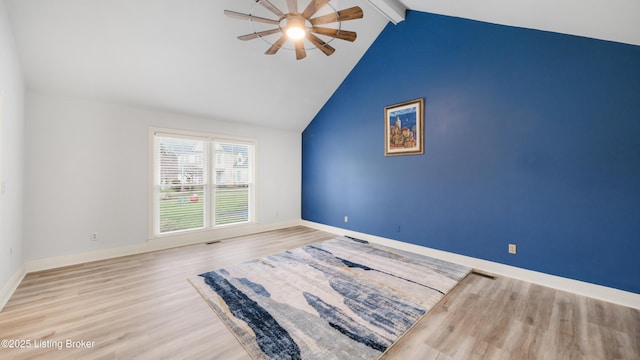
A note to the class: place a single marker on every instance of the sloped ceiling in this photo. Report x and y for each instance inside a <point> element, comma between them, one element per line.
<point>183,55</point>
<point>614,20</point>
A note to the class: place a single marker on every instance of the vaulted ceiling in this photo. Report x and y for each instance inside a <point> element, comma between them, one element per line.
<point>183,55</point>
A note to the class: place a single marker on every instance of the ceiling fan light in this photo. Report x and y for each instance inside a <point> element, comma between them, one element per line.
<point>296,32</point>
<point>296,27</point>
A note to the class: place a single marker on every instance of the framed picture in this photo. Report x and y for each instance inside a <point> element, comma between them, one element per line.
<point>404,128</point>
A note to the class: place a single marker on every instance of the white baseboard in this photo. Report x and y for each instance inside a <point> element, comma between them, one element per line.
<point>599,292</point>
<point>10,287</point>
<point>156,244</point>
<point>160,243</point>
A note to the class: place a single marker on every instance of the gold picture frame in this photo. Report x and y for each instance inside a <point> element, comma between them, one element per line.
<point>404,128</point>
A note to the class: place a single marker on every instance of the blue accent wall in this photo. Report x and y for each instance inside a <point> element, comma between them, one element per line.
<point>531,138</point>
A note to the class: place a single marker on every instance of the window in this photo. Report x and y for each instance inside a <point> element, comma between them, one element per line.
<point>201,181</point>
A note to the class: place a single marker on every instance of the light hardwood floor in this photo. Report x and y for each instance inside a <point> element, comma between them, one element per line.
<point>143,307</point>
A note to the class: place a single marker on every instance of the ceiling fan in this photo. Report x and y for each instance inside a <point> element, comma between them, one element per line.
<point>298,26</point>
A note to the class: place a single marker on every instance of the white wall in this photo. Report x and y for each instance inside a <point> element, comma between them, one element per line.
<point>11,154</point>
<point>86,171</point>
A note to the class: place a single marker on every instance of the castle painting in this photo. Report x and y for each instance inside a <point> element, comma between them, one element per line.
<point>404,134</point>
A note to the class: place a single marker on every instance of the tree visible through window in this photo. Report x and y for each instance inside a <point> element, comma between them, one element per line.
<point>201,182</point>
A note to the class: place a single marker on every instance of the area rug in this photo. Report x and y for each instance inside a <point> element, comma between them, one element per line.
<point>338,299</point>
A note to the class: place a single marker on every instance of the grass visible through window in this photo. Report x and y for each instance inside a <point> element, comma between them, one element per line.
<point>185,210</point>
<point>232,205</point>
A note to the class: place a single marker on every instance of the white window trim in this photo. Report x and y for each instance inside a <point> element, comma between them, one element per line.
<point>152,199</point>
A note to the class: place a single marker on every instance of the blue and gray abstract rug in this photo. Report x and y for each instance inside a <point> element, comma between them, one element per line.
<point>338,299</point>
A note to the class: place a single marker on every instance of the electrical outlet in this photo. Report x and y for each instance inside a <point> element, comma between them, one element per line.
<point>512,248</point>
<point>346,218</point>
<point>94,236</point>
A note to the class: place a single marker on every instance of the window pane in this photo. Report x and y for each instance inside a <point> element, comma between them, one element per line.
<point>232,204</point>
<point>182,209</point>
<point>233,182</point>
<point>181,183</point>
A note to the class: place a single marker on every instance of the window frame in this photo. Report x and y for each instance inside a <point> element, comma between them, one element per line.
<point>153,223</point>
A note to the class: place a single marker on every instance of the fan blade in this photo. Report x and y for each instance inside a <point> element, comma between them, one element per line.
<point>258,34</point>
<point>323,46</point>
<point>293,6</point>
<point>300,52</point>
<point>269,6</point>
<point>313,7</point>
<point>238,15</point>
<point>342,15</point>
<point>276,46</point>
<point>335,33</point>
